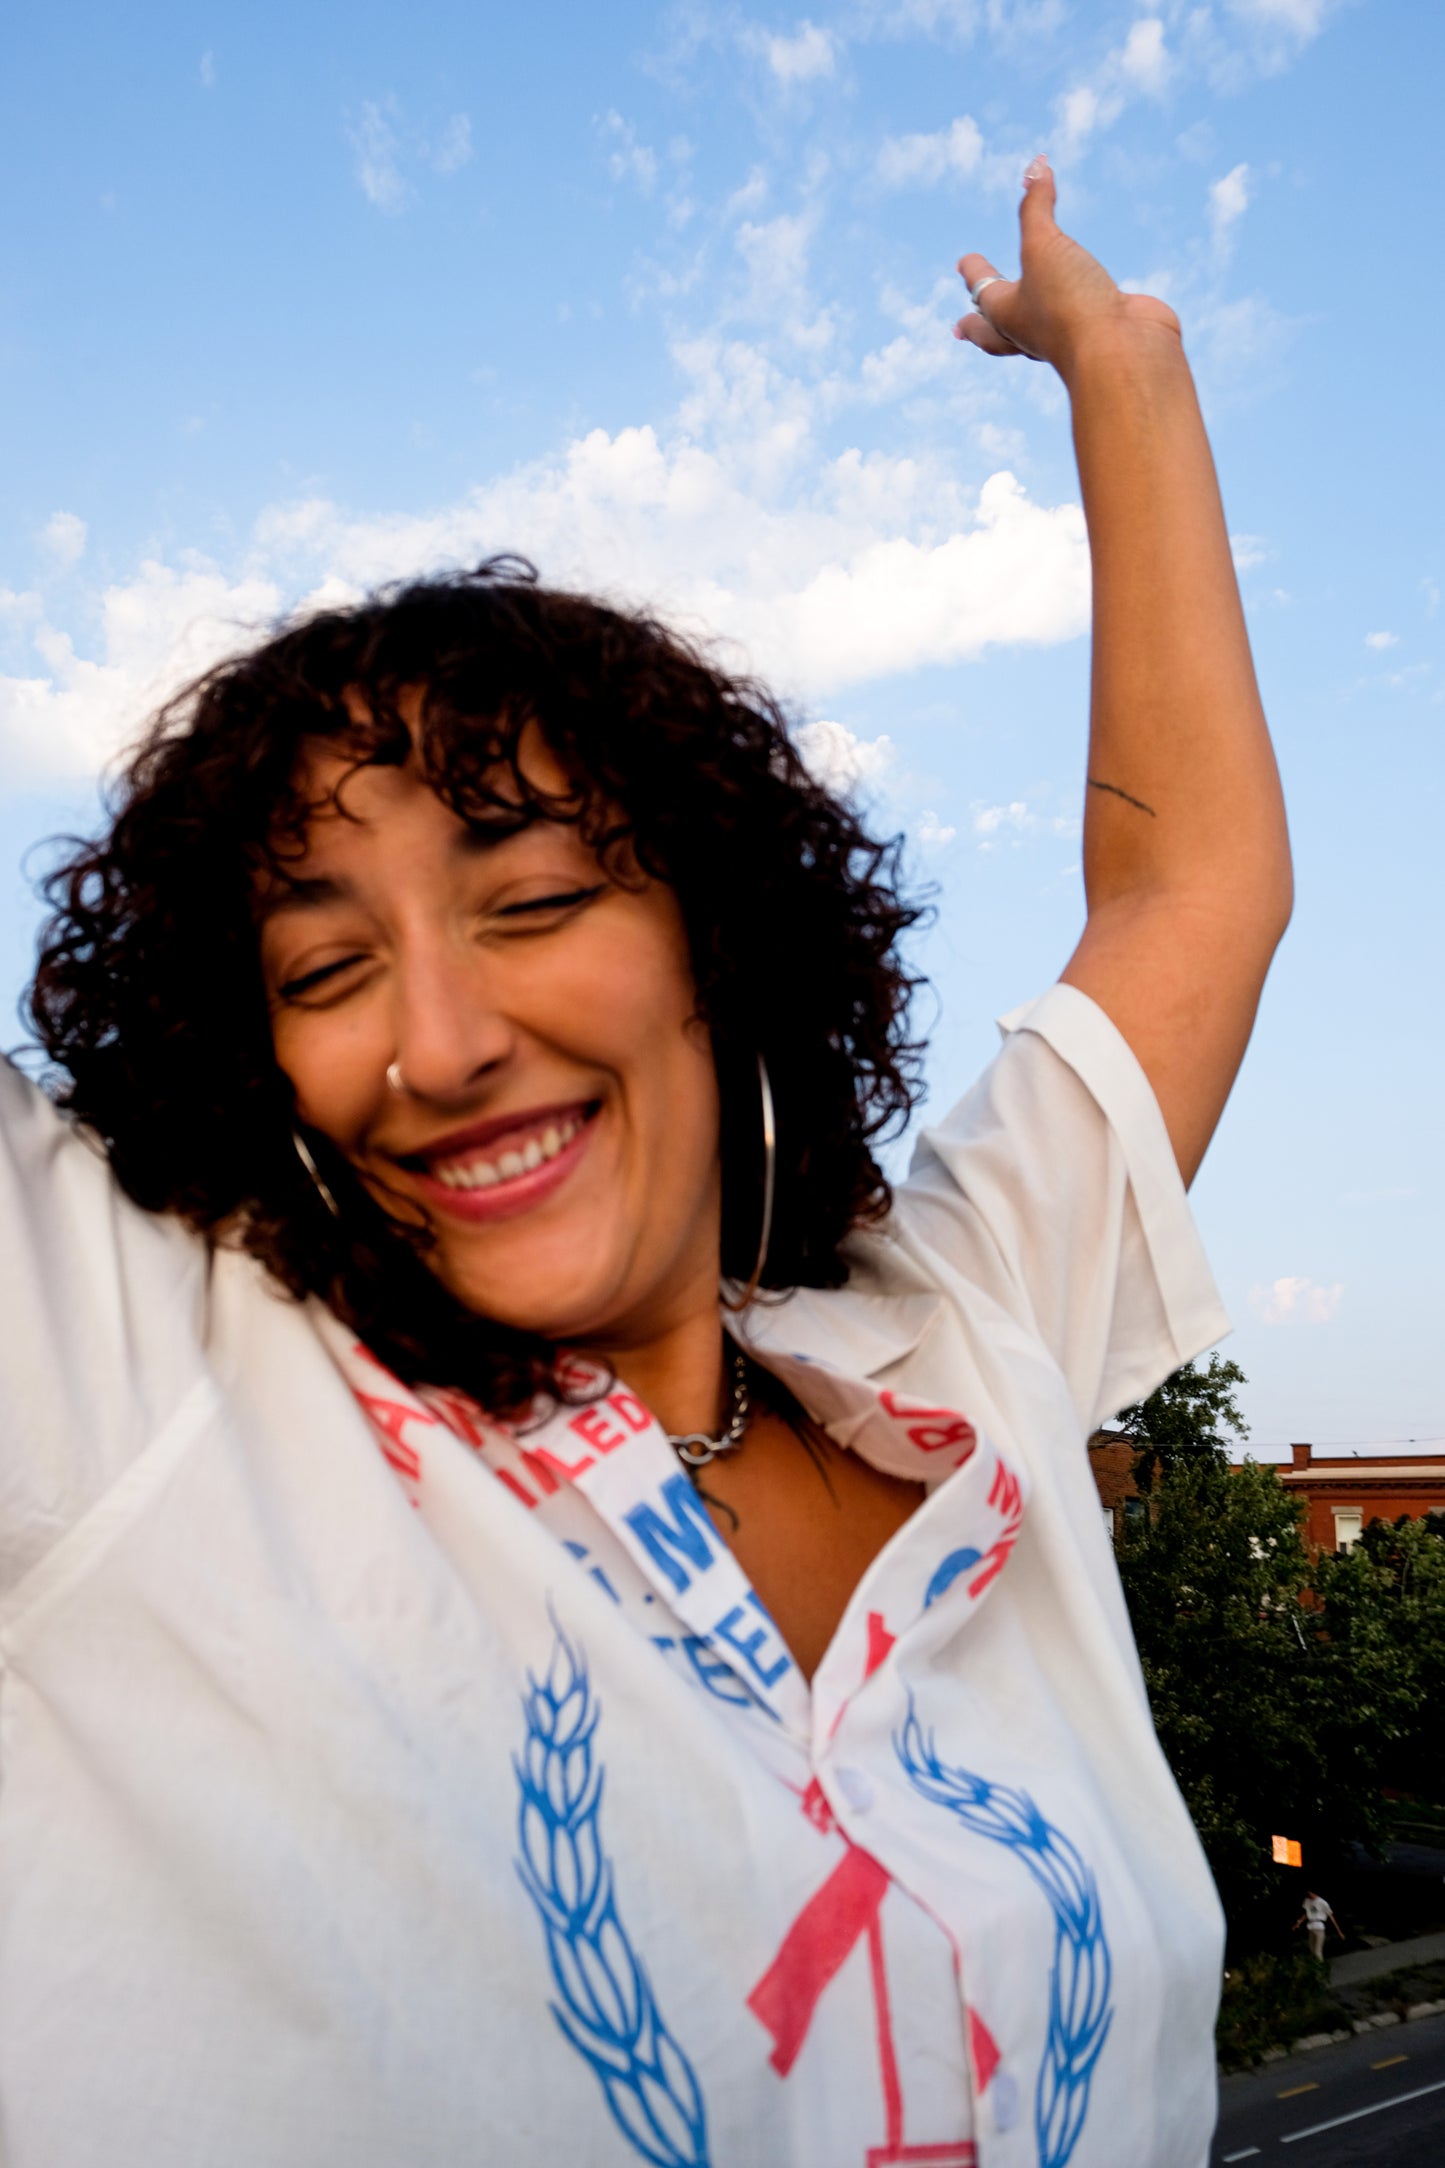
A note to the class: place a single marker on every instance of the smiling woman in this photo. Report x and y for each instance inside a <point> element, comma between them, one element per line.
<point>485,832</point>
<point>480,968</point>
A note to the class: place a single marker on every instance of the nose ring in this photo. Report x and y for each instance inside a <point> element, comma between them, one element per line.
<point>394,1077</point>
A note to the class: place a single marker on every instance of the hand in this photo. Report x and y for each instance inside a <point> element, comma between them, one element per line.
<point>1064,301</point>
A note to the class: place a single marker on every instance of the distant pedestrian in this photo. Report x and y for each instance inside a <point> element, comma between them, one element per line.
<point>1316,1916</point>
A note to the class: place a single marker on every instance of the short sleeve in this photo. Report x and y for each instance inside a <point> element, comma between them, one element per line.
<point>1053,1187</point>
<point>101,1319</point>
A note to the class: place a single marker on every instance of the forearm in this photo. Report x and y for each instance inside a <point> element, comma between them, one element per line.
<point>1183,797</point>
<point>1186,857</point>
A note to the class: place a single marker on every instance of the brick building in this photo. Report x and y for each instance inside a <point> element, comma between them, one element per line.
<point>1342,1494</point>
<point>1112,1460</point>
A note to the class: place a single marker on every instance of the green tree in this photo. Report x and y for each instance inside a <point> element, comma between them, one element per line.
<point>1214,1576</point>
<point>1183,1420</point>
<point>1382,1614</point>
<point>1273,1714</point>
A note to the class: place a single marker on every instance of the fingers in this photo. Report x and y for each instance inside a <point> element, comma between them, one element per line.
<point>995,304</point>
<point>975,267</point>
<point>976,330</point>
<point>988,290</point>
<point>1036,212</point>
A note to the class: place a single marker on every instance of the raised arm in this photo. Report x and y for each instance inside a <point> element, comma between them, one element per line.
<point>1186,853</point>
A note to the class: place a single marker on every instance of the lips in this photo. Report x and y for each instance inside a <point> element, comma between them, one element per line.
<point>505,1165</point>
<point>523,1153</point>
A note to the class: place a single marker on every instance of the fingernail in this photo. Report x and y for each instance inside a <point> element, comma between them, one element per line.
<point>1036,169</point>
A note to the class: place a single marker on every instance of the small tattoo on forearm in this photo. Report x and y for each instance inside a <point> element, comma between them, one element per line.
<point>1127,796</point>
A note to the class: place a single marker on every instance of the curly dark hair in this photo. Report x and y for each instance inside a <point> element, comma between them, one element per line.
<point>148,996</point>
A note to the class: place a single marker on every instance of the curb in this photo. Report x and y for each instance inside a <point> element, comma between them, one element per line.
<point>1310,2043</point>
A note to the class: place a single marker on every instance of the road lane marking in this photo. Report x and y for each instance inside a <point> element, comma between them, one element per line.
<point>1390,2062</point>
<point>1292,2137</point>
<point>1248,2154</point>
<point>1292,2092</point>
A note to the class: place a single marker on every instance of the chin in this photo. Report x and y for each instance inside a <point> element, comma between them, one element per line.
<point>553,1309</point>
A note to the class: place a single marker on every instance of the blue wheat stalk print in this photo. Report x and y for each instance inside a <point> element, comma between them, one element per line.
<point>1079,2008</point>
<point>606,2007</point>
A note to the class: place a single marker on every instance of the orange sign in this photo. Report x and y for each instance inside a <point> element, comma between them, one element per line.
<point>1286,1851</point>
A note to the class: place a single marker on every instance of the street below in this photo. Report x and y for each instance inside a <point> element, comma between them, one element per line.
<point>1379,2098</point>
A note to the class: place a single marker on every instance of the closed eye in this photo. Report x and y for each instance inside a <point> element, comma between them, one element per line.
<point>564,900</point>
<point>293,989</point>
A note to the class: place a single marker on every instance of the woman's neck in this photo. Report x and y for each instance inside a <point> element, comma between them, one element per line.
<point>677,1368</point>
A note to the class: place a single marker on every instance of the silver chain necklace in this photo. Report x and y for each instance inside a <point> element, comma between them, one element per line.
<point>695,1448</point>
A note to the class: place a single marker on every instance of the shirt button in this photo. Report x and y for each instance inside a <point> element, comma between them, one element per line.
<point>857,1788</point>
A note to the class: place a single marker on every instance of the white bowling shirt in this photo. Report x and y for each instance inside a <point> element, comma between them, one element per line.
<point>383,1785</point>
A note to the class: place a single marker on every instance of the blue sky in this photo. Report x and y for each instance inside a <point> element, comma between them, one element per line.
<point>295,299</point>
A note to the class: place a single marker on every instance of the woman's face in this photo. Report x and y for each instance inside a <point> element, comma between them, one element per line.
<point>558,1129</point>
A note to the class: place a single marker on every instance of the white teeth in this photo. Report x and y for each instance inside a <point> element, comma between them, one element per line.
<point>482,1173</point>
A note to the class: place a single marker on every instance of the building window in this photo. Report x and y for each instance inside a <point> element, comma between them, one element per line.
<point>1109,1521</point>
<point>1134,1511</point>
<point>1349,1520</point>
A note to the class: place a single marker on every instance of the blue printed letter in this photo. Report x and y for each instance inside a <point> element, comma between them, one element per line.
<point>688,1531</point>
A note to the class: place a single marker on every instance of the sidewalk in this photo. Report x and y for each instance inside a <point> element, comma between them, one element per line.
<point>1359,1965</point>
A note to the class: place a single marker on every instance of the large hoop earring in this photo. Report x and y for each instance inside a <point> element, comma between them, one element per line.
<point>304,1154</point>
<point>770,1173</point>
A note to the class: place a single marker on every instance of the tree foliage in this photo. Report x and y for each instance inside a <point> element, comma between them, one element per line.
<point>1287,1693</point>
<point>1382,1612</point>
<point>1183,1419</point>
<point>1214,1577</point>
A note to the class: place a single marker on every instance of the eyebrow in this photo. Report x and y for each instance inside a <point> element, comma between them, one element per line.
<point>312,891</point>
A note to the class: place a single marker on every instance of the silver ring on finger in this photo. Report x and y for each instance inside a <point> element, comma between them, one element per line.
<point>990,278</point>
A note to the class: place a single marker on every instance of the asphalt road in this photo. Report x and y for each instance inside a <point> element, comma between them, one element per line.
<point>1379,2098</point>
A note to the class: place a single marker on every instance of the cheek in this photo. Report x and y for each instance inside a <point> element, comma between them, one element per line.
<point>638,988</point>
<point>675,1058</point>
<point>332,1068</point>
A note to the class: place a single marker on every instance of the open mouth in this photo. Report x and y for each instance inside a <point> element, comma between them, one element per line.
<point>512,1161</point>
<point>482,1168</point>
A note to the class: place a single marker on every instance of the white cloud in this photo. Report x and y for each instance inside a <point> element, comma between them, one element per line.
<point>1141,66</point>
<point>64,536</point>
<point>1228,201</point>
<point>1081,112</point>
<point>1296,1301</point>
<point>851,577</point>
<point>995,825</point>
<point>775,252</point>
<point>838,759</point>
<point>1249,550</point>
<point>1235,342</point>
<point>1302,19</point>
<point>627,159</point>
<point>1228,51</point>
<point>1144,60</point>
<point>801,58</point>
<point>208,71</point>
<point>378,170</point>
<point>157,630</point>
<point>382,142</point>
<point>1382,639</point>
<point>453,148</point>
<point>933,833</point>
<point>921,161</point>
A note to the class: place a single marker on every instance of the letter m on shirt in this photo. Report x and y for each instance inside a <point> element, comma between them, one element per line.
<point>679,1536</point>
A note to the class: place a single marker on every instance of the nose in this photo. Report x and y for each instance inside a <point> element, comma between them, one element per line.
<point>451,1030</point>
